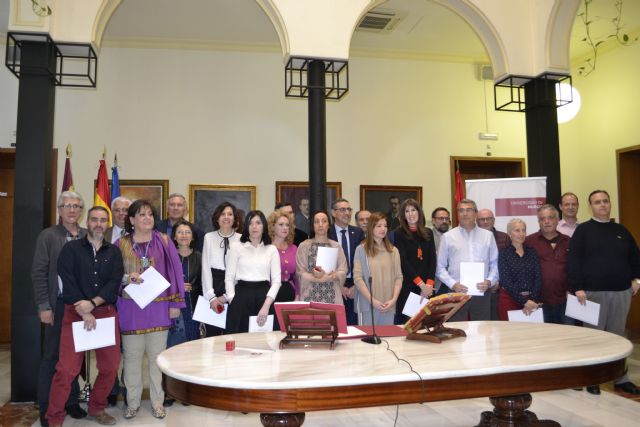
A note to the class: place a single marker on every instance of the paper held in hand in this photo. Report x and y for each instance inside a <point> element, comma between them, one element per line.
<point>589,313</point>
<point>327,258</point>
<point>520,316</point>
<point>414,303</point>
<point>203,313</point>
<point>153,285</point>
<point>104,335</point>
<point>472,273</point>
<point>254,327</point>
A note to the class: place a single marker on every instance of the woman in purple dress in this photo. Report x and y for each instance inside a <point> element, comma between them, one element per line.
<point>144,330</point>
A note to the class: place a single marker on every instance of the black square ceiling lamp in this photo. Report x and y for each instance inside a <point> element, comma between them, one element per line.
<point>76,64</point>
<point>509,93</point>
<point>296,78</point>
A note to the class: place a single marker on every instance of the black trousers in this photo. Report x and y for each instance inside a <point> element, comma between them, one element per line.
<point>247,301</point>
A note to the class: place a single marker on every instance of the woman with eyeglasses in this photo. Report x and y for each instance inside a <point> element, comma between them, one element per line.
<point>417,250</point>
<point>252,277</point>
<point>145,330</point>
<point>215,253</point>
<point>316,284</point>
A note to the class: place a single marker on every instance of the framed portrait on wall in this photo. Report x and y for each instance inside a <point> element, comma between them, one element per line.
<point>294,191</point>
<point>387,198</point>
<point>155,191</point>
<point>203,199</point>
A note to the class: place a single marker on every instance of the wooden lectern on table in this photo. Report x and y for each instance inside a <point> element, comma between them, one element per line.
<point>309,328</point>
<point>432,316</point>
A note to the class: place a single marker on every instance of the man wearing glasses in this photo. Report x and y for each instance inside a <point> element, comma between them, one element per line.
<point>440,221</point>
<point>48,296</point>
<point>119,209</point>
<point>468,243</point>
<point>349,237</point>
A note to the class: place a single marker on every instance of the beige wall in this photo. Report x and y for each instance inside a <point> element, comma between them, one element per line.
<point>211,117</point>
<point>608,120</point>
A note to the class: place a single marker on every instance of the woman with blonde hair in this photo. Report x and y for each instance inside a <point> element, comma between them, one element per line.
<point>281,230</point>
<point>377,274</point>
<point>520,276</point>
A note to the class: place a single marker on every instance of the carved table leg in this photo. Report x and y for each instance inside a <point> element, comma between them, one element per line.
<point>510,411</point>
<point>282,420</point>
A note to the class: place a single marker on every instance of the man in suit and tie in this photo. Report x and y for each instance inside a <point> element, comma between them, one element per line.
<point>349,237</point>
<point>119,209</point>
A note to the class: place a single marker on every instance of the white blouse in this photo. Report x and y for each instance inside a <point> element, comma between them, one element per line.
<point>252,264</point>
<point>213,257</point>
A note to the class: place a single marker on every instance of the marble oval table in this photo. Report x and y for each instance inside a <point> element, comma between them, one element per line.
<point>502,360</point>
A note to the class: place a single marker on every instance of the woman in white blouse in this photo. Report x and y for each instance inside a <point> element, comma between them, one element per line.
<point>215,252</point>
<point>252,278</point>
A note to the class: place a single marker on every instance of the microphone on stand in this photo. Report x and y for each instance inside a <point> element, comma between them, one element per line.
<point>373,339</point>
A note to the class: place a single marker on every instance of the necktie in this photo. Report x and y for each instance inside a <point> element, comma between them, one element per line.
<point>122,232</point>
<point>345,247</point>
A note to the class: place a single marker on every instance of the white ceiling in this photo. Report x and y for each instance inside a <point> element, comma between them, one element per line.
<point>427,29</point>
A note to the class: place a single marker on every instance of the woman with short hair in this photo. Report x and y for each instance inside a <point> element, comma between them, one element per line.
<point>520,276</point>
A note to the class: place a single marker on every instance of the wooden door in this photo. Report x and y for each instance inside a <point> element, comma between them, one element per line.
<point>7,179</point>
<point>628,160</point>
<point>7,176</point>
<point>483,168</point>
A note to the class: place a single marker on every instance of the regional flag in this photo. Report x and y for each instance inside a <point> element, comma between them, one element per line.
<point>115,180</point>
<point>101,196</point>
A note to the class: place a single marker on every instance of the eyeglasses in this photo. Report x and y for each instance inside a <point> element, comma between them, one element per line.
<point>186,232</point>
<point>70,206</point>
<point>343,210</point>
<point>486,219</point>
<point>442,218</point>
<point>467,210</point>
<point>121,210</point>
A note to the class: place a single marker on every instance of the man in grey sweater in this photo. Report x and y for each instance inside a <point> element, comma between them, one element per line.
<point>48,296</point>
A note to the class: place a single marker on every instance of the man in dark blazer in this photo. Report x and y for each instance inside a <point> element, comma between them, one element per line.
<point>349,237</point>
<point>177,210</point>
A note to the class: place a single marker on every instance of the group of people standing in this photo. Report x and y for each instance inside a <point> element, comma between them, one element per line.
<point>247,263</point>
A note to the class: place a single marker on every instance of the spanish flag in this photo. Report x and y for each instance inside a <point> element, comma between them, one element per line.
<point>101,196</point>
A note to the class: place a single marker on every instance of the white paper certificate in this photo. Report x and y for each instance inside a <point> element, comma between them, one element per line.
<point>204,314</point>
<point>587,313</point>
<point>104,335</point>
<point>254,327</point>
<point>414,303</point>
<point>472,273</point>
<point>327,258</point>
<point>519,316</point>
<point>153,285</point>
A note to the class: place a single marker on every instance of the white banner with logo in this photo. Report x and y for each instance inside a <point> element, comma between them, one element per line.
<point>510,198</point>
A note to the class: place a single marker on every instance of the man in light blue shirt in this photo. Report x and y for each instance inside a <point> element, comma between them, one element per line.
<point>468,243</point>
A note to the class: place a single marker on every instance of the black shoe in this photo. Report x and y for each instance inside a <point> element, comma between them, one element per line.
<point>75,411</point>
<point>112,400</point>
<point>168,402</point>
<point>578,389</point>
<point>43,420</point>
<point>628,387</point>
<point>593,389</point>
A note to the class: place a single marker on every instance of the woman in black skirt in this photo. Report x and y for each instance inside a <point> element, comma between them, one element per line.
<point>252,278</point>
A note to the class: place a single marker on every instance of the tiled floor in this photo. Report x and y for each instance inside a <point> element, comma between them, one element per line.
<point>568,407</point>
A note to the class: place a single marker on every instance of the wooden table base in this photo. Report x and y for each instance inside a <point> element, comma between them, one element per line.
<point>282,420</point>
<point>511,411</point>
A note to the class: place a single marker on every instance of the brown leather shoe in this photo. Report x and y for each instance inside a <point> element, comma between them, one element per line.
<point>102,418</point>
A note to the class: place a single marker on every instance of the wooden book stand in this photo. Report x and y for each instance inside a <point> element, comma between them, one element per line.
<point>432,316</point>
<point>309,328</point>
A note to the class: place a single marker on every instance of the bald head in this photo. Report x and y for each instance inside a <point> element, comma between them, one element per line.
<point>485,219</point>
